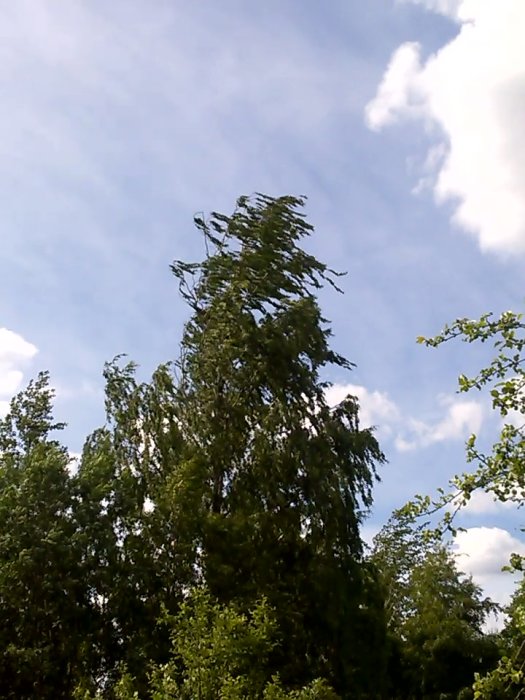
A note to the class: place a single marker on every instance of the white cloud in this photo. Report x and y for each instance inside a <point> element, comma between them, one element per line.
<point>368,532</point>
<point>482,552</point>
<point>473,91</point>
<point>375,407</point>
<point>399,92</point>
<point>15,352</point>
<point>74,462</point>
<point>483,503</point>
<point>461,419</point>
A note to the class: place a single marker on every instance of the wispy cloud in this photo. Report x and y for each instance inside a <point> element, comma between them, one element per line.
<point>449,8</point>
<point>468,96</point>
<point>117,124</point>
<point>461,419</point>
<point>89,90</point>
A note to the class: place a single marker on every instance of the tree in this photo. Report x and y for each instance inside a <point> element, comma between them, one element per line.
<point>284,480</point>
<point>434,614</point>
<point>218,652</point>
<point>507,680</point>
<point>228,470</point>
<point>256,487</point>
<point>135,562</point>
<point>500,472</point>
<point>44,615</point>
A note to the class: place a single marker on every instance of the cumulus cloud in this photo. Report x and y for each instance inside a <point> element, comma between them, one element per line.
<point>15,352</point>
<point>470,94</point>
<point>461,419</point>
<point>375,407</point>
<point>482,552</point>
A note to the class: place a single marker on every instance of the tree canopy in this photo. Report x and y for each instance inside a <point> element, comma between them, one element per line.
<point>208,543</point>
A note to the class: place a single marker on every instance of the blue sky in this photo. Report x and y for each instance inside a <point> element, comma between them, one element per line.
<point>399,120</point>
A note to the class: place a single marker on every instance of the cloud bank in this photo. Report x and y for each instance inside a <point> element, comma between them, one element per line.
<point>470,96</point>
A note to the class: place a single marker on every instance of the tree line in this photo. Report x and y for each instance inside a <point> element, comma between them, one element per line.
<point>208,543</point>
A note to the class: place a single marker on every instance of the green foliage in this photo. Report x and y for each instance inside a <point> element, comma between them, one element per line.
<point>500,472</point>
<point>229,470</point>
<point>136,558</point>
<point>209,542</point>
<point>219,652</point>
<point>507,680</point>
<point>434,613</point>
<point>256,487</point>
<point>397,548</point>
<point>284,480</point>
<point>222,652</point>
<point>42,605</point>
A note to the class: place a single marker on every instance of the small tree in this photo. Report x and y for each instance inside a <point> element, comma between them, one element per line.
<point>218,652</point>
<point>434,614</point>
